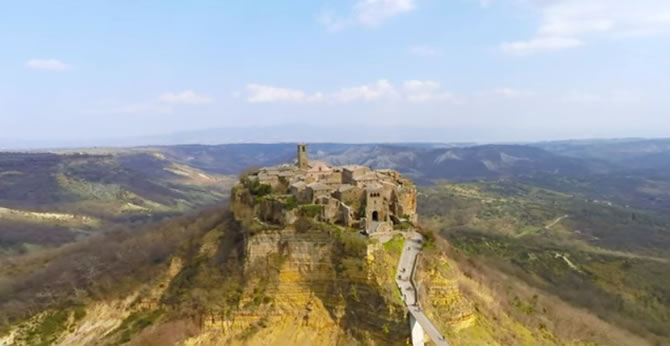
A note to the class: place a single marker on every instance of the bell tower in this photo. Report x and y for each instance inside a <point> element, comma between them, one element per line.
<point>302,156</point>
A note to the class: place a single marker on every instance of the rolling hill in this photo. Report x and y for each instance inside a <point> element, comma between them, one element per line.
<point>50,199</point>
<point>423,162</point>
<point>552,243</point>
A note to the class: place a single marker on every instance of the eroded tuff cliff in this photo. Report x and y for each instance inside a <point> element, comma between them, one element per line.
<point>250,282</point>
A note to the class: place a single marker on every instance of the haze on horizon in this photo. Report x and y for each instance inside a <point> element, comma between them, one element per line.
<point>457,70</point>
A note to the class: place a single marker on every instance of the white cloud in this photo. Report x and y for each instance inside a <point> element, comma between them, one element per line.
<point>257,93</point>
<point>417,91</point>
<point>414,91</point>
<point>369,13</point>
<point>425,50</point>
<point>371,92</point>
<point>47,64</point>
<point>334,23</point>
<point>539,44</point>
<point>512,93</point>
<point>605,17</point>
<point>187,97</point>
<point>374,12</point>
<point>571,23</point>
<point>166,103</point>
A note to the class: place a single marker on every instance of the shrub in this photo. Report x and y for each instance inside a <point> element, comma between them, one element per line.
<point>259,190</point>
<point>290,203</point>
<point>247,172</point>
<point>405,225</point>
<point>429,238</point>
<point>310,210</point>
<point>353,244</point>
<point>105,266</point>
<point>303,225</point>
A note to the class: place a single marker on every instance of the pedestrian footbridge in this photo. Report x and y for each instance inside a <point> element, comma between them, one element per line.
<point>419,322</point>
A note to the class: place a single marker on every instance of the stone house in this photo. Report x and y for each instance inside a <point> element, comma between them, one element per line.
<point>318,170</point>
<point>299,191</point>
<point>351,172</point>
<point>316,190</point>
<point>376,206</point>
<point>268,179</point>
<point>349,195</point>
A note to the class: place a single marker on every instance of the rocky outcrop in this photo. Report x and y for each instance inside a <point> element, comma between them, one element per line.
<point>441,296</point>
<point>317,288</point>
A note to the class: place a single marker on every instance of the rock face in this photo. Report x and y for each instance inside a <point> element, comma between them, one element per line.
<point>315,289</point>
<point>322,284</point>
<point>273,272</point>
<point>441,297</point>
<point>313,282</point>
<point>276,272</point>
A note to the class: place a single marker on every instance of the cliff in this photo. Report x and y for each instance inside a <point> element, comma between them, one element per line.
<point>256,277</point>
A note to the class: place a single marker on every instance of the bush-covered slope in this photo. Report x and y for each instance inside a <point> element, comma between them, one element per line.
<point>207,279</point>
<point>50,199</point>
<point>611,260</point>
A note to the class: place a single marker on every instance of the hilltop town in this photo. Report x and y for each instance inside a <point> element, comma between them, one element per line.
<point>374,201</point>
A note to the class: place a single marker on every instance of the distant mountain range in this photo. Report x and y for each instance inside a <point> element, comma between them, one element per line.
<point>633,171</point>
<point>421,161</point>
<point>287,133</point>
<point>430,161</point>
<point>562,218</point>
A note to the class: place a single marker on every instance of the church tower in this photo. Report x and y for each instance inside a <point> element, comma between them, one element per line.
<point>302,156</point>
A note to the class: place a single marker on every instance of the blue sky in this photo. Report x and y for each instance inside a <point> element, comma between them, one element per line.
<point>500,70</point>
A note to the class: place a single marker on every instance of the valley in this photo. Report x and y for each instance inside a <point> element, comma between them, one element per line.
<point>335,173</point>
<point>522,246</point>
<point>49,199</point>
<point>600,257</point>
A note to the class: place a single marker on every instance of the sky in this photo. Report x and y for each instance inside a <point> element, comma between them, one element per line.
<point>482,70</point>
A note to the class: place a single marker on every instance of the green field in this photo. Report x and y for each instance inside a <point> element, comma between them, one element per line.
<point>612,260</point>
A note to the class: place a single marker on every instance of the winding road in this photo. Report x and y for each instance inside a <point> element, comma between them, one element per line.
<point>408,289</point>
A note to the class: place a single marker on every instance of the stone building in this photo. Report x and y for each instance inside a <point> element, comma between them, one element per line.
<point>353,195</point>
<point>317,190</point>
<point>351,172</point>
<point>302,156</point>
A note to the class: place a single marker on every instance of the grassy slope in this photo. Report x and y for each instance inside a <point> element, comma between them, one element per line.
<point>127,187</point>
<point>347,293</point>
<point>107,266</point>
<point>608,259</point>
